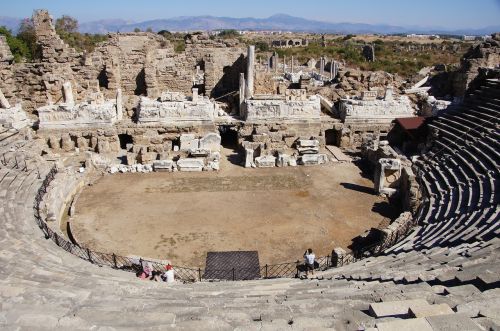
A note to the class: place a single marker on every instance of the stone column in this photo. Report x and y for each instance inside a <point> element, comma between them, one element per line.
<point>322,66</point>
<point>388,93</point>
<point>292,65</point>
<point>335,69</point>
<point>331,69</point>
<point>284,64</point>
<point>242,92</point>
<point>250,72</point>
<point>3,101</point>
<point>276,63</point>
<point>119,104</point>
<point>249,153</point>
<point>194,98</point>
<point>68,94</point>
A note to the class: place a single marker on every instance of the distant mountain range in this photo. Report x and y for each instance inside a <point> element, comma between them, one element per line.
<point>278,22</point>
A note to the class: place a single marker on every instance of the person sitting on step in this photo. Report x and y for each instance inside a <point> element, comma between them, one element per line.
<point>168,276</point>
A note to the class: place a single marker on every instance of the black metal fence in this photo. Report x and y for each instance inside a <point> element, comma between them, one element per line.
<point>282,270</point>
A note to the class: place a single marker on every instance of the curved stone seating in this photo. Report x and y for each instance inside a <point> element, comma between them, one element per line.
<point>44,287</point>
<point>451,258</point>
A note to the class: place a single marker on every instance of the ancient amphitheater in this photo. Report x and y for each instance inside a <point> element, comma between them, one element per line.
<point>75,116</point>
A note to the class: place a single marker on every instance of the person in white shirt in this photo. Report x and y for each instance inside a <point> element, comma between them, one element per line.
<point>168,276</point>
<point>309,258</point>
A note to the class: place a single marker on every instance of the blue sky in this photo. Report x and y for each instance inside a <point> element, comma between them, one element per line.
<point>427,13</point>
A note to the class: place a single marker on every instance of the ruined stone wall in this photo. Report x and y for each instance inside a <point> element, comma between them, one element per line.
<point>121,61</point>
<point>146,139</point>
<point>411,195</point>
<point>146,64</point>
<point>5,53</point>
<point>223,66</point>
<point>52,47</point>
<point>138,63</point>
<point>354,135</point>
<point>482,55</point>
<point>264,83</point>
<point>274,136</point>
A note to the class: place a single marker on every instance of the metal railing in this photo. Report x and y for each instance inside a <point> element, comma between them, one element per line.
<point>184,274</point>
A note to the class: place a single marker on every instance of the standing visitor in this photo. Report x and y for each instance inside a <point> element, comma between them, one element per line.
<point>309,258</point>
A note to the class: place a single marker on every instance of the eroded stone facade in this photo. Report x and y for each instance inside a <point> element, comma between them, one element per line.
<point>138,63</point>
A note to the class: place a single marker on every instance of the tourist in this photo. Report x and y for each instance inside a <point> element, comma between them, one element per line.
<point>156,276</point>
<point>147,270</point>
<point>309,258</point>
<point>168,276</point>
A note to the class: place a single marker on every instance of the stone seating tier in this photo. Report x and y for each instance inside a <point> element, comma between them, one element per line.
<point>449,263</point>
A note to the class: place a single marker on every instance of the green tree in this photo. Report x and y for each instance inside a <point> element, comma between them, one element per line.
<point>27,34</point>
<point>18,48</point>
<point>137,30</point>
<point>66,24</point>
<point>262,46</point>
<point>230,33</point>
<point>67,28</point>
<point>164,33</point>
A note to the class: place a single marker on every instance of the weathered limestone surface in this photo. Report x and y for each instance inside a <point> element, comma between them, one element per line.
<point>188,142</point>
<point>138,63</point>
<point>14,117</point>
<point>394,308</point>
<point>433,106</point>
<point>175,108</point>
<point>387,176</point>
<point>53,48</point>
<point>372,110</point>
<point>211,142</point>
<point>66,116</point>
<point>164,165</point>
<point>415,324</point>
<point>5,53</point>
<point>313,159</point>
<point>431,310</point>
<point>482,55</point>
<point>190,164</point>
<point>266,161</point>
<point>269,109</point>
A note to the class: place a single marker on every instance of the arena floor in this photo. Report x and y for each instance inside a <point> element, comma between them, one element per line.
<point>181,216</point>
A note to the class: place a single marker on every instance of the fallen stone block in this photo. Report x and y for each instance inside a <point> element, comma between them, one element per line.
<point>131,158</point>
<point>188,142</point>
<point>308,143</point>
<point>394,308</point>
<point>211,142</point>
<point>452,322</point>
<point>463,290</point>
<point>283,160</point>
<point>313,159</point>
<point>213,165</point>
<point>414,324</point>
<point>431,310</point>
<point>308,150</point>
<point>267,161</point>
<point>190,164</point>
<point>199,152</point>
<point>163,165</point>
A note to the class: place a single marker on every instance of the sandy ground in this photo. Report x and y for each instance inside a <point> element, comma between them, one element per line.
<point>181,216</point>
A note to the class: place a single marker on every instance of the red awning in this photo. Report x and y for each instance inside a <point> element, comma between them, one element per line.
<point>411,123</point>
